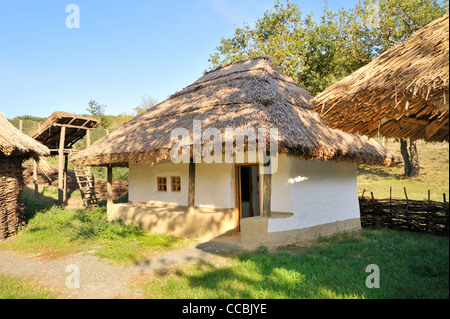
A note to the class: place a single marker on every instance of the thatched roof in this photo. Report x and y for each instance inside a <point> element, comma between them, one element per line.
<point>76,125</point>
<point>251,93</point>
<point>15,143</point>
<point>403,92</point>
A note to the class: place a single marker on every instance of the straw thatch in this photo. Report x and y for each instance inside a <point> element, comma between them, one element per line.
<point>246,94</point>
<point>76,125</point>
<point>403,92</point>
<point>15,147</point>
<point>15,143</point>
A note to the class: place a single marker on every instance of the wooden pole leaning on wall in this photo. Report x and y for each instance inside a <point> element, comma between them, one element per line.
<point>61,166</point>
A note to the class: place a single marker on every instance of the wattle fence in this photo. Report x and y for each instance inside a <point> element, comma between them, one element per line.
<point>425,216</point>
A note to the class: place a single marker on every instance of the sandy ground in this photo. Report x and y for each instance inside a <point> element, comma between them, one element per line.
<point>99,278</point>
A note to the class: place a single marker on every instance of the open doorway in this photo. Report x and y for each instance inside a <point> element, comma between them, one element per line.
<point>248,190</point>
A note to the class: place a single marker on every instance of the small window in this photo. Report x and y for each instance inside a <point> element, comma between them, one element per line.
<point>162,184</point>
<point>176,183</point>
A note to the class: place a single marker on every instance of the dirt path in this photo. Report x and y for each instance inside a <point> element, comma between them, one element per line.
<point>99,278</point>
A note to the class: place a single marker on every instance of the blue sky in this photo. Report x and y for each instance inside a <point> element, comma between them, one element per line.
<point>122,51</point>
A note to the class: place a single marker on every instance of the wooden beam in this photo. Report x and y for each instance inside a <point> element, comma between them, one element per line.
<point>72,126</point>
<point>434,127</point>
<point>66,162</point>
<point>191,192</point>
<point>267,193</point>
<point>88,143</point>
<point>61,166</point>
<point>415,121</point>
<point>109,185</point>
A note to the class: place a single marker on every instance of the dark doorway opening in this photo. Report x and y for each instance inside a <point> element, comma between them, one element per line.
<point>249,191</point>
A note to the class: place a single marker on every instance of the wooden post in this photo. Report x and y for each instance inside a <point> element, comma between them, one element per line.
<point>66,161</point>
<point>35,182</point>
<point>109,185</point>
<point>191,192</point>
<point>61,166</point>
<point>88,143</point>
<point>407,201</point>
<point>267,192</point>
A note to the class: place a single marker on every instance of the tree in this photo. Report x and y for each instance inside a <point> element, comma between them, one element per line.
<point>98,111</point>
<point>410,157</point>
<point>318,54</point>
<point>147,103</point>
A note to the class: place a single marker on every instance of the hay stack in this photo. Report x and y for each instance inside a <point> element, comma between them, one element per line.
<point>15,147</point>
<point>244,94</point>
<point>403,92</point>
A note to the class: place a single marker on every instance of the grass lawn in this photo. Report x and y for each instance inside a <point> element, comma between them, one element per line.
<point>16,288</point>
<point>55,232</point>
<point>411,266</point>
<point>434,174</point>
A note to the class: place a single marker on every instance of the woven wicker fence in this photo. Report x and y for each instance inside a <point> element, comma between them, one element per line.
<point>11,203</point>
<point>404,214</point>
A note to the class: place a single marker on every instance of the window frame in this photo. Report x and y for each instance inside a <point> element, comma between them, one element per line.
<point>161,184</point>
<point>175,186</point>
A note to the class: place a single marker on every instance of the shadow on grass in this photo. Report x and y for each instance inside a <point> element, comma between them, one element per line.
<point>411,266</point>
<point>370,171</point>
<point>32,205</point>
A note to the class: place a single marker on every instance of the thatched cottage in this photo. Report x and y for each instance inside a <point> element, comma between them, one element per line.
<point>15,147</point>
<point>310,188</point>
<point>403,92</point>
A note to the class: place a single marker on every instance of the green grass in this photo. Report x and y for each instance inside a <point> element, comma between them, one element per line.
<point>16,288</point>
<point>57,231</point>
<point>434,168</point>
<point>411,266</point>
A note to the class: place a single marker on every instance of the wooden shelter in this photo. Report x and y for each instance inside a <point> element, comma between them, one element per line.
<point>201,198</point>
<point>404,92</point>
<point>59,133</point>
<point>15,147</point>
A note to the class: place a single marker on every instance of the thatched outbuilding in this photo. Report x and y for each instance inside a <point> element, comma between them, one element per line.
<point>59,133</point>
<point>404,92</point>
<point>15,147</point>
<point>312,185</point>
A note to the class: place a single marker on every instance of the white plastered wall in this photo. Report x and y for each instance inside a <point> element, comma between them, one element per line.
<point>316,192</point>
<point>214,184</point>
<point>321,192</point>
<point>143,183</point>
<point>281,199</point>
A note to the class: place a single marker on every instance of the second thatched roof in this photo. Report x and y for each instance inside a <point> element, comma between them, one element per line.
<point>15,143</point>
<point>75,129</point>
<point>403,92</point>
<point>245,94</point>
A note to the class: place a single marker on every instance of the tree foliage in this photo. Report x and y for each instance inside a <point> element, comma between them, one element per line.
<point>318,53</point>
<point>147,103</point>
<point>98,111</point>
